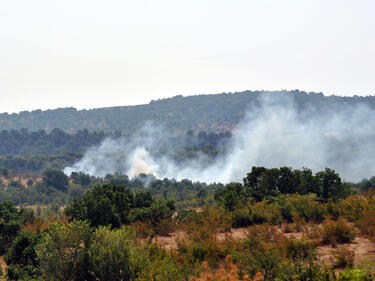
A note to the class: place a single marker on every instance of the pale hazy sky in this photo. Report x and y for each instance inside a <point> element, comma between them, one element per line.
<point>58,53</point>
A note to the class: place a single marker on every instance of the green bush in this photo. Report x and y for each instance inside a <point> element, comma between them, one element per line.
<point>262,212</point>
<point>306,206</point>
<point>241,217</point>
<point>299,249</point>
<point>353,275</point>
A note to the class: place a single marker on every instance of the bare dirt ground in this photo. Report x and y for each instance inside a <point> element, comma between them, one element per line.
<point>235,233</point>
<point>169,242</point>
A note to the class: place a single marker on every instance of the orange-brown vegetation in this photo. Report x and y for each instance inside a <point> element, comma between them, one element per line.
<point>227,272</point>
<point>39,224</point>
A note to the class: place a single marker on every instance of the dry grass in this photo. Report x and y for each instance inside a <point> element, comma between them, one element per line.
<point>227,272</point>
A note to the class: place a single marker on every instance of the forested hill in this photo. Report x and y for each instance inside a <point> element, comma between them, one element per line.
<point>216,113</point>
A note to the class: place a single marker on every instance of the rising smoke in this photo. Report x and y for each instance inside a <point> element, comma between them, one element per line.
<point>274,134</point>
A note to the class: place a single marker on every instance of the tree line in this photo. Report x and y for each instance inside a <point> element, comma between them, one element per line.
<point>211,113</point>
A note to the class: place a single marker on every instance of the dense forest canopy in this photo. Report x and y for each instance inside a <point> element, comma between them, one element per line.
<point>220,112</point>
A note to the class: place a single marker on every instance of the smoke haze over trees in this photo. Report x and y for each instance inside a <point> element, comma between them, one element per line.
<point>280,130</point>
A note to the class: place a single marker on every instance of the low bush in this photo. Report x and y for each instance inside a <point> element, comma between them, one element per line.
<point>344,258</point>
<point>201,245</point>
<point>241,218</point>
<point>262,212</point>
<point>229,272</point>
<point>337,232</point>
<point>294,206</point>
<point>299,249</point>
<point>333,209</point>
<point>354,206</point>
<point>353,275</point>
<point>367,224</point>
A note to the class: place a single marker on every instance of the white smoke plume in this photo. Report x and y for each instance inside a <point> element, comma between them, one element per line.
<point>273,134</point>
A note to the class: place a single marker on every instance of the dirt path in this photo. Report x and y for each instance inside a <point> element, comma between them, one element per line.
<point>169,242</point>
<point>362,249</point>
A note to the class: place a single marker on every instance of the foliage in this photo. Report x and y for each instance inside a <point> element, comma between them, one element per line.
<point>344,258</point>
<point>56,179</point>
<point>109,254</point>
<point>353,275</point>
<point>337,232</point>
<point>307,207</point>
<point>21,257</point>
<point>11,220</point>
<point>62,252</point>
<point>263,183</point>
<point>116,205</point>
<point>229,272</point>
<point>231,196</point>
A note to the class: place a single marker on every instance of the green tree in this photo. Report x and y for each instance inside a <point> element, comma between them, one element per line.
<point>110,252</point>
<point>62,251</point>
<point>56,179</point>
<point>9,225</point>
<point>331,184</point>
<point>231,196</point>
<point>103,205</point>
<point>21,257</point>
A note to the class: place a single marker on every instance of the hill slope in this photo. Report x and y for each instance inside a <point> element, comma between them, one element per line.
<point>217,113</point>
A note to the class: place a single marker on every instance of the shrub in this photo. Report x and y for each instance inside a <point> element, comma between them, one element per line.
<point>333,209</point>
<point>260,251</point>
<point>367,223</point>
<point>305,270</point>
<point>368,267</point>
<point>353,275</point>
<point>354,206</point>
<point>213,217</point>
<point>201,242</point>
<point>337,232</point>
<point>299,249</point>
<point>261,212</point>
<point>344,258</point>
<point>229,272</point>
<point>241,217</point>
<point>201,245</point>
<point>143,229</point>
<point>294,206</point>
<point>165,227</point>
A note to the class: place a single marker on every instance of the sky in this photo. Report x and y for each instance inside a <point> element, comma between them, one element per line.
<point>90,54</point>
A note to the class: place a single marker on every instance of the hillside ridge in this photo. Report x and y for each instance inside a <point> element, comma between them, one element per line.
<point>211,113</point>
